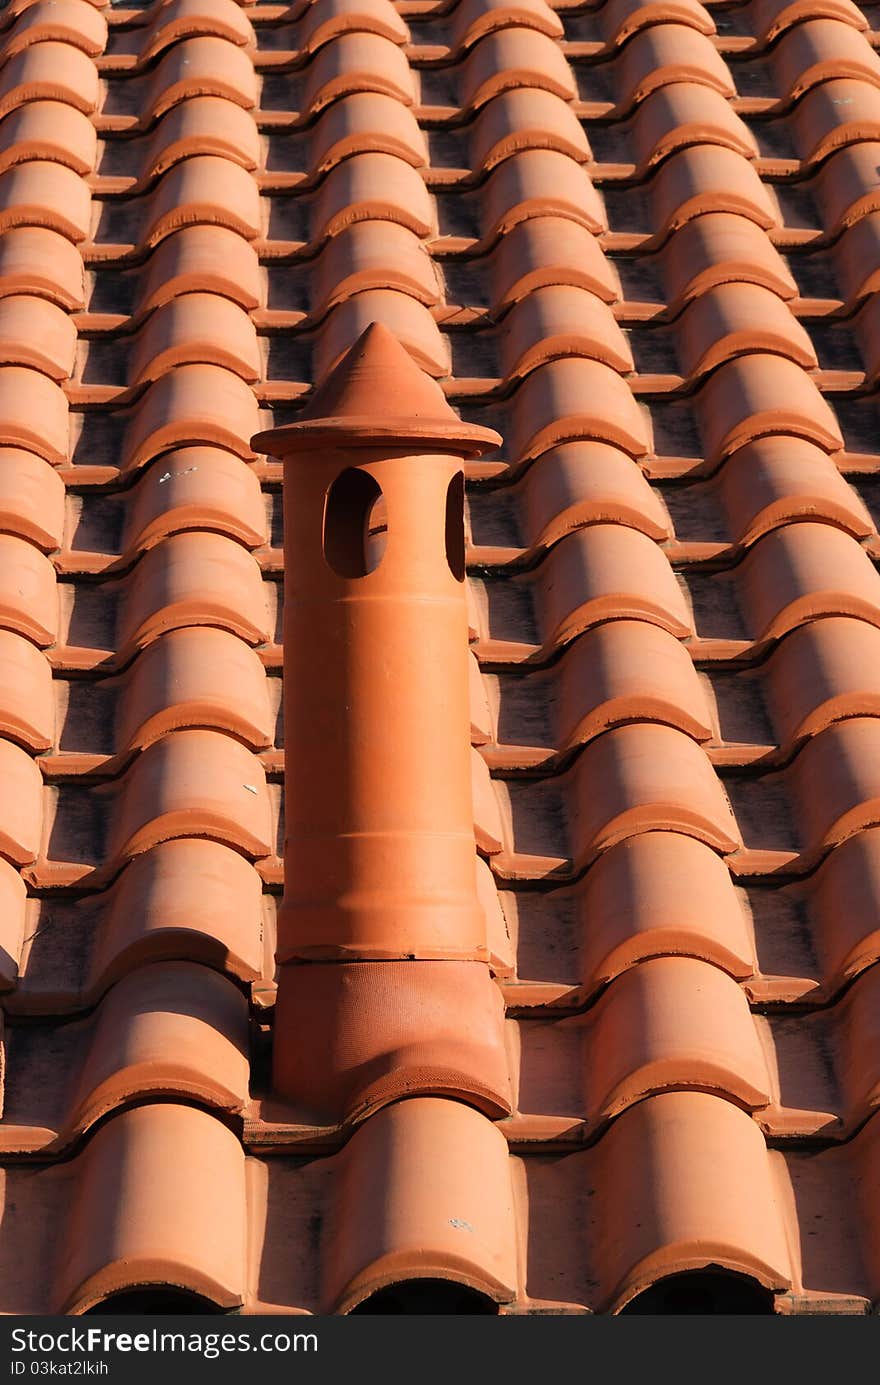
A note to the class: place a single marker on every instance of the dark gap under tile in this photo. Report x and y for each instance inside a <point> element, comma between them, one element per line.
<point>835,344</point>
<point>653,350</point>
<point>763,811</point>
<point>97,522</point>
<point>696,512</point>
<point>475,354</point>
<point>713,598</point>
<point>494,517</point>
<point>742,713</point>
<point>111,290</point>
<point>79,829</point>
<point>283,91</point>
<point>88,722</point>
<point>511,614</point>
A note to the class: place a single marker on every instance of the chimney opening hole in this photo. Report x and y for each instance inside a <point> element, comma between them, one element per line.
<point>355,532</point>
<point>455,526</point>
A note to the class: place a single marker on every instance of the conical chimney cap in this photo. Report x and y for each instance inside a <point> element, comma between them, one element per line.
<point>376,393</point>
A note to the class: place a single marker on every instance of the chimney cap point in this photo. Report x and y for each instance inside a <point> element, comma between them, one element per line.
<point>346,408</point>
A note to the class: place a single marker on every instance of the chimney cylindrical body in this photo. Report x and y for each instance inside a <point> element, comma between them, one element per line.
<point>379,854</point>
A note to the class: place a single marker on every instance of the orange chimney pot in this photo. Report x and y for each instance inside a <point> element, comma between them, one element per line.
<point>379,852</point>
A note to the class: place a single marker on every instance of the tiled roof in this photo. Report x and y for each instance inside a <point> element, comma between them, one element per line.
<point>633,1062</point>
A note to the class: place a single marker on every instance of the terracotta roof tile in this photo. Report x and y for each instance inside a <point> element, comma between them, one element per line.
<point>549,250</point>
<point>525,118</point>
<point>195,488</point>
<point>193,404</point>
<point>204,190</point>
<point>549,408</point>
<point>188,898</point>
<point>357,62</point>
<point>799,572</point>
<point>409,320</point>
<point>168,792</point>
<point>760,394</point>
<point>682,114</point>
<point>656,778</point>
<point>50,195</point>
<point>669,53</point>
<point>559,320</point>
<point>181,19</point>
<point>195,328</point>
<point>855,258</point>
<point>601,568</point>
<point>22,820</point>
<point>669,1022</point>
<point>371,187</point>
<point>621,20</point>
<point>514,58</point>
<point>324,20</point>
<point>731,1210</point>
<point>583,483</point>
<point>52,130</point>
<point>50,72</point>
<point>34,332</point>
<point>471,1184</point>
<point>768,483</point>
<point>833,114</point>
<point>194,579</point>
<point>32,499</point>
<point>201,259</point>
<point>720,248</point>
<point>844,888</point>
<point>539,183</point>
<point>471,21</point>
<point>200,67</point>
<point>174,1240</point>
<point>773,17</point>
<point>202,125</point>
<point>813,52</point>
<point>178,681</point>
<point>846,187</point>
<point>34,260</point>
<point>34,412</point>
<point>622,671</point>
<point>843,761</point>
<point>67,21</point>
<point>704,179</point>
<point>374,256</point>
<point>340,243</point>
<point>819,675</point>
<point>27,703</point>
<point>171,1029</point>
<point>733,320</point>
<point>633,893</point>
<point>365,121</point>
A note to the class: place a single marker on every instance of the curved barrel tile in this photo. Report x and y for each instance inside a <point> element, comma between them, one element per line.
<point>170,1167</point>
<point>194,579</point>
<point>424,1192</point>
<point>192,784</point>
<point>195,677</point>
<point>655,780</point>
<point>195,488</point>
